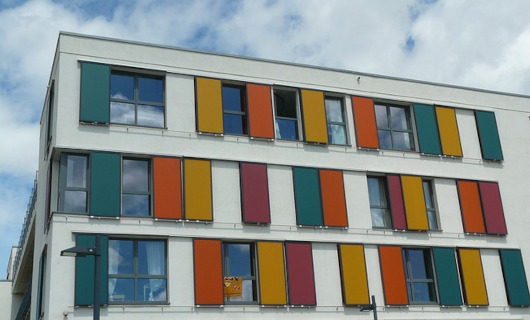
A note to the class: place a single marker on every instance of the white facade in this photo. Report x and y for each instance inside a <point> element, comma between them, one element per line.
<point>180,138</point>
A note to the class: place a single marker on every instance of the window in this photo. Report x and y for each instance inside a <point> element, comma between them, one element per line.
<point>137,271</point>
<point>430,205</point>
<point>394,127</point>
<point>379,208</point>
<point>286,107</point>
<point>136,99</point>
<point>419,276</point>
<point>49,127</point>
<point>239,273</point>
<point>73,186</point>
<point>234,108</point>
<point>136,189</point>
<point>336,122</point>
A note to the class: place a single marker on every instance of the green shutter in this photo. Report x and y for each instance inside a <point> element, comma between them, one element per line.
<point>105,184</point>
<point>427,128</point>
<point>490,144</point>
<point>307,197</point>
<point>84,271</point>
<point>95,93</point>
<point>515,278</point>
<point>447,274</point>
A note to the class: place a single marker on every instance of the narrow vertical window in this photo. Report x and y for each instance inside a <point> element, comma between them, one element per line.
<point>377,190</point>
<point>419,276</point>
<point>286,107</point>
<point>136,189</point>
<point>239,273</point>
<point>73,191</point>
<point>49,127</point>
<point>336,121</point>
<point>394,127</point>
<point>234,109</point>
<point>430,205</point>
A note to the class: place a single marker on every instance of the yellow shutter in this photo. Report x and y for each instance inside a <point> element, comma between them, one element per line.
<point>414,203</point>
<point>353,271</point>
<point>473,277</point>
<point>448,131</point>
<point>315,124</point>
<point>271,273</point>
<point>198,189</point>
<point>209,105</point>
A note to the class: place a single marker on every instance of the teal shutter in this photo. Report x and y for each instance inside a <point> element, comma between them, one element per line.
<point>105,184</point>
<point>307,197</point>
<point>84,271</point>
<point>490,143</point>
<point>515,278</point>
<point>447,274</point>
<point>95,93</point>
<point>427,128</point>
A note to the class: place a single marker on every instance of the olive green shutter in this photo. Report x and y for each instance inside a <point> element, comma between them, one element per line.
<point>307,197</point>
<point>105,184</point>
<point>515,278</point>
<point>427,127</point>
<point>490,143</point>
<point>84,271</point>
<point>95,93</point>
<point>447,274</point>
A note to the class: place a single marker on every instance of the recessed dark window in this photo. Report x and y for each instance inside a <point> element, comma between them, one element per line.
<point>234,110</point>
<point>285,103</point>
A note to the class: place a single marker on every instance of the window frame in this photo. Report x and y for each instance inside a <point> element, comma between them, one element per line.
<point>254,271</point>
<point>330,123</point>
<point>409,117</point>
<point>136,74</point>
<point>243,114</point>
<point>63,178</point>
<point>410,280</point>
<point>149,193</point>
<point>432,212</point>
<point>298,128</point>
<point>383,189</point>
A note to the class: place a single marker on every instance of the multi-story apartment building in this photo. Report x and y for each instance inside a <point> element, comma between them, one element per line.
<point>236,188</point>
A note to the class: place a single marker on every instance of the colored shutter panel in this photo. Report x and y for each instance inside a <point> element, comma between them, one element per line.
<point>427,129</point>
<point>300,273</point>
<point>449,136</point>
<point>470,206</point>
<point>333,199</point>
<point>393,275</point>
<point>105,184</point>
<point>95,93</point>
<point>473,277</point>
<point>396,202</point>
<point>365,125</point>
<point>271,267</point>
<point>208,272</point>
<point>315,124</point>
<point>488,134</point>
<point>260,111</point>
<point>209,105</point>
<point>84,271</point>
<point>492,207</point>
<point>198,189</point>
<point>353,272</point>
<point>255,193</point>
<point>307,197</point>
<point>447,275</point>
<point>167,188</point>
<point>414,203</point>
<point>515,278</point>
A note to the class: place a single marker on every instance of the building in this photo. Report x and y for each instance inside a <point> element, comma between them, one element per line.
<point>231,187</point>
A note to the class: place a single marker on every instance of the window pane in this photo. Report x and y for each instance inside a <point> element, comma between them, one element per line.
<point>121,87</point>
<point>135,175</point>
<point>334,110</point>
<point>121,289</point>
<point>135,205</point>
<point>336,134</point>
<point>122,113</point>
<point>234,124</point>
<point>151,257</point>
<point>151,290</point>
<point>433,222</point>
<point>285,102</point>
<point>76,171</point>
<point>418,264</point>
<point>401,141</point>
<point>121,256</point>
<point>427,191</point>
<point>381,116</point>
<point>380,218</point>
<point>385,141</point>
<point>423,292</point>
<point>75,201</point>
<point>234,98</point>
<point>151,89</point>
<point>399,118</point>
<point>248,293</point>
<point>150,116</point>
<point>239,260</point>
<point>286,129</point>
<point>377,192</point>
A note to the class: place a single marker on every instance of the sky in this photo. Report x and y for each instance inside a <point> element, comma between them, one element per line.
<point>480,44</point>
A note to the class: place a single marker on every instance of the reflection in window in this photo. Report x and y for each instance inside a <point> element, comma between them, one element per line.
<point>135,187</point>
<point>336,122</point>
<point>430,205</point>
<point>285,104</point>
<point>379,208</point>
<point>419,276</point>
<point>394,127</point>
<point>137,271</point>
<point>239,273</point>
<point>73,189</point>
<point>136,99</point>
<point>234,116</point>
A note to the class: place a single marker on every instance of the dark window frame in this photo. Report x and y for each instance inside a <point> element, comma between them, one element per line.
<point>409,279</point>
<point>432,212</point>
<point>63,176</point>
<point>243,114</point>
<point>383,190</point>
<point>150,185</point>
<point>295,120</point>
<point>330,123</point>
<point>254,271</point>
<point>390,129</point>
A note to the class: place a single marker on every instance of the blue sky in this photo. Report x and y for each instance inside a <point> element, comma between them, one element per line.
<point>482,44</point>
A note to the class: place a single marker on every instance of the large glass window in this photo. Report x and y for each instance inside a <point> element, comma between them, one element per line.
<point>239,273</point>
<point>430,204</point>
<point>137,271</point>
<point>234,110</point>
<point>394,127</point>
<point>286,107</point>
<point>336,121</point>
<point>379,208</point>
<point>419,276</point>
<point>136,186</point>
<point>73,186</point>
<point>136,99</point>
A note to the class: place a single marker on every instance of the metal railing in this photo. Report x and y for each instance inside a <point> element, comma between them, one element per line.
<point>25,226</point>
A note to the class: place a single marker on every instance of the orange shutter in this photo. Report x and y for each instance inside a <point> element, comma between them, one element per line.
<point>365,125</point>
<point>167,188</point>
